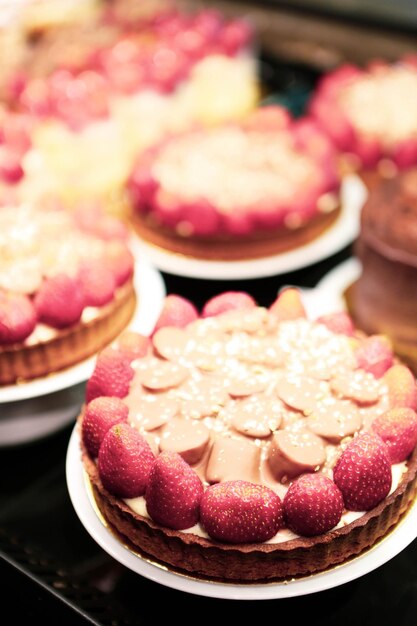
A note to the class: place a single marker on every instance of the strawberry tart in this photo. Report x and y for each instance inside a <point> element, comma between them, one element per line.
<point>242,443</point>
<point>383,298</point>
<point>66,288</point>
<point>126,82</point>
<point>240,190</point>
<point>369,114</point>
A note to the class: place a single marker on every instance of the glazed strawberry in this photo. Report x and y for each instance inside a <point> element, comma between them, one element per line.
<point>398,429</point>
<point>59,302</point>
<point>238,511</point>
<point>111,377</point>
<point>202,218</point>
<point>402,388</point>
<point>17,318</point>
<point>375,355</point>
<point>312,505</point>
<point>125,461</point>
<point>174,492</point>
<point>288,305</point>
<point>101,414</point>
<point>228,301</point>
<point>97,283</point>
<point>133,345</point>
<point>340,323</point>
<point>363,472</point>
<point>176,311</point>
<point>11,170</point>
<point>120,261</point>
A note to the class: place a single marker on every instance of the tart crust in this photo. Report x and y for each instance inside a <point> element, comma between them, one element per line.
<point>193,555</point>
<point>22,362</point>
<point>229,248</point>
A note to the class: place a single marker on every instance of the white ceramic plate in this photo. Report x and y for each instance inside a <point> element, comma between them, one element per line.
<point>333,285</point>
<point>150,288</point>
<point>81,499</point>
<point>30,420</point>
<point>339,235</point>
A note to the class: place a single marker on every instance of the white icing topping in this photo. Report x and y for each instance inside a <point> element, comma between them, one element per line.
<point>230,168</point>
<point>381,104</point>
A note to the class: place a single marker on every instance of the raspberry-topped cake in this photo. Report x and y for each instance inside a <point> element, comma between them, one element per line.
<point>66,288</point>
<point>369,113</point>
<point>245,443</point>
<point>236,191</point>
<point>101,92</point>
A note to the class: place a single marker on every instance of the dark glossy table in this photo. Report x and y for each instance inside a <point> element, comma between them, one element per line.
<point>53,571</point>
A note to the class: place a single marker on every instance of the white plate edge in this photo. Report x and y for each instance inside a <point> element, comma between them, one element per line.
<point>151,290</point>
<point>377,556</point>
<point>340,234</point>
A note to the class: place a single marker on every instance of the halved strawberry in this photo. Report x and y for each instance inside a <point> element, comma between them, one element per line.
<point>228,301</point>
<point>339,322</point>
<point>174,492</point>
<point>402,387</point>
<point>288,305</point>
<point>111,377</point>
<point>17,318</point>
<point>59,301</point>
<point>313,505</point>
<point>176,311</point>
<point>398,428</point>
<point>120,261</point>
<point>125,461</point>
<point>375,355</point>
<point>133,345</point>
<point>97,283</point>
<point>363,472</point>
<point>238,511</point>
<point>101,414</point>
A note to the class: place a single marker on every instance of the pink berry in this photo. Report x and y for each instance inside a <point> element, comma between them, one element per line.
<point>125,461</point>
<point>363,472</point>
<point>240,512</point>
<point>313,505</point>
<point>174,492</point>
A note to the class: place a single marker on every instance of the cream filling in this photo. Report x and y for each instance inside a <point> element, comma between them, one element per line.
<point>138,506</point>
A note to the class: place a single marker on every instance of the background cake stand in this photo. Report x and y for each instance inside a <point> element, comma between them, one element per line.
<point>339,235</point>
<point>35,409</point>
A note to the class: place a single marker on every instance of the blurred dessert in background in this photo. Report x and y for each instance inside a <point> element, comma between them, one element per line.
<point>383,299</point>
<point>370,115</point>
<point>239,190</point>
<point>100,92</point>
<point>66,288</point>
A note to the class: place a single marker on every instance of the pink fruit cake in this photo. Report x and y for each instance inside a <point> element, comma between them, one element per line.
<point>66,288</point>
<point>239,190</point>
<point>242,443</point>
<point>101,91</point>
<point>369,113</point>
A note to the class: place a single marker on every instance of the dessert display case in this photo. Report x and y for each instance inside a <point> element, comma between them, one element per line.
<point>58,562</point>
